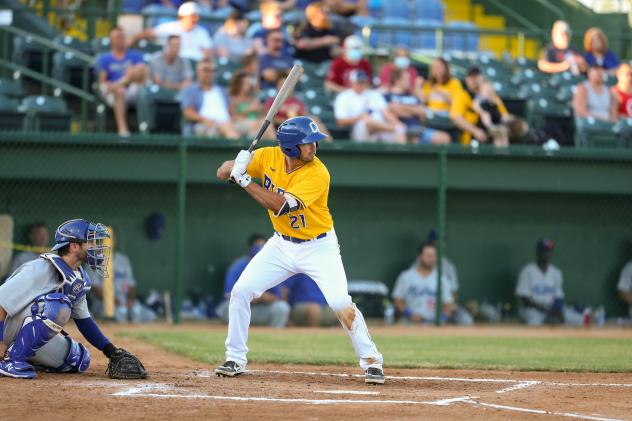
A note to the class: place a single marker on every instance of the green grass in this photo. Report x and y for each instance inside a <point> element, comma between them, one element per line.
<point>500,353</point>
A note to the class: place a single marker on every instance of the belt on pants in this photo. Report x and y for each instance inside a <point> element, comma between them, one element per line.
<point>298,240</point>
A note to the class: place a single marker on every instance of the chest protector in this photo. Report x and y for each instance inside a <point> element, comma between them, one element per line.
<point>74,287</point>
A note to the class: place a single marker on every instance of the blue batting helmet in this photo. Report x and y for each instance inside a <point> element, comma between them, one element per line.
<point>83,231</point>
<point>298,131</point>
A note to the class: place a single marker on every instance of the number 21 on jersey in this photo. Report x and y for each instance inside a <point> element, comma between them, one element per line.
<point>297,221</point>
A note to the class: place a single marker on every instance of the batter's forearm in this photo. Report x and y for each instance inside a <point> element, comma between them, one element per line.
<point>267,199</point>
<point>223,172</point>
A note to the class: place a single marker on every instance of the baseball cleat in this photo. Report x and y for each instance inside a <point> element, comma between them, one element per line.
<point>374,375</point>
<point>229,369</point>
<point>17,369</point>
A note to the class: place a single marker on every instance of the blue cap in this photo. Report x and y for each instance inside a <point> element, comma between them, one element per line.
<point>544,244</point>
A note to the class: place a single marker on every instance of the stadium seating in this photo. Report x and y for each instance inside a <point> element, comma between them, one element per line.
<point>45,113</point>
<point>10,117</point>
<point>28,53</point>
<point>158,110</point>
<point>11,88</point>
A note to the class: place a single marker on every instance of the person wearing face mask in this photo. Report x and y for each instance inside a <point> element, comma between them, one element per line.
<point>267,310</point>
<point>318,39</point>
<point>352,59</point>
<point>560,56</point>
<point>401,61</point>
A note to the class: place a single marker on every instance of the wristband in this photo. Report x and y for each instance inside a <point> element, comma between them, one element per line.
<point>244,180</point>
<point>108,350</point>
<point>1,331</point>
<point>407,313</point>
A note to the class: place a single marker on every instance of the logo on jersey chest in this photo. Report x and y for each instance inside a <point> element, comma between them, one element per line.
<point>269,185</point>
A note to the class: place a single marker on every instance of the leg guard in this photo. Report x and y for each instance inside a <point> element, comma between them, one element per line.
<point>50,313</point>
<point>77,360</point>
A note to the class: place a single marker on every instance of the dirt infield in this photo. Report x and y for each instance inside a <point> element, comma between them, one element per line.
<point>182,389</point>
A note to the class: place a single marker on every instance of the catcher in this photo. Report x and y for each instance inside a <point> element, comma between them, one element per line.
<point>42,295</point>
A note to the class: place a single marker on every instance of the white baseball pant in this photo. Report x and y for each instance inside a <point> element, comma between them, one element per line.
<point>278,260</point>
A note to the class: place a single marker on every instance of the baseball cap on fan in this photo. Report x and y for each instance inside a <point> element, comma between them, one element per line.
<point>188,8</point>
<point>545,244</point>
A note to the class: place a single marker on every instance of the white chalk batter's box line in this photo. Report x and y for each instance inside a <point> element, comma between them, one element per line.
<point>163,391</point>
<point>518,384</point>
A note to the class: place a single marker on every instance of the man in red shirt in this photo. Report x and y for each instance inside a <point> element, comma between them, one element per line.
<point>623,90</point>
<point>338,76</point>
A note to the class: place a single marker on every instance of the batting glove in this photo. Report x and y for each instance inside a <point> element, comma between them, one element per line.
<point>243,159</point>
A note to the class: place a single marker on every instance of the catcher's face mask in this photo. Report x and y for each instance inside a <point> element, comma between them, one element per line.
<point>98,253</point>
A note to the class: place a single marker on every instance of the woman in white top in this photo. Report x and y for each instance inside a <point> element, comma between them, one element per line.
<point>594,99</point>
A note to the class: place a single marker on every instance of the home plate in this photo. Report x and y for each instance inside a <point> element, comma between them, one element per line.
<point>347,392</point>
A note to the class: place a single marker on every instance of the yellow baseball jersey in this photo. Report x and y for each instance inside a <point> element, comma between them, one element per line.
<point>308,184</point>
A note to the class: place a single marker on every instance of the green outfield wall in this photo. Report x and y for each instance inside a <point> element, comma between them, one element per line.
<point>383,199</point>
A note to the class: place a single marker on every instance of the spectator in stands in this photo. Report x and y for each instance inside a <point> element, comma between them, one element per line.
<point>409,110</point>
<point>539,291</point>
<point>168,69</point>
<point>245,108</point>
<point>126,307</point>
<point>291,108</point>
<point>309,307</point>
<point>415,291</point>
<point>338,75</point>
<point>250,65</point>
<point>267,310</point>
<point>196,42</point>
<point>318,39</point>
<point>401,60</point>
<point>441,88</point>
<point>560,56</point>
<point>271,19</point>
<point>206,107</point>
<point>594,99</point>
<point>460,315</point>
<point>625,286</point>
<point>365,110</point>
<point>597,52</point>
<point>230,40</point>
<point>38,237</point>
<point>491,110</point>
<point>623,90</point>
<point>481,114</point>
<point>274,61</point>
<point>121,73</point>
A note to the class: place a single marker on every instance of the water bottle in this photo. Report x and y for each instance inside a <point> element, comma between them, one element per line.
<point>389,314</point>
<point>600,316</point>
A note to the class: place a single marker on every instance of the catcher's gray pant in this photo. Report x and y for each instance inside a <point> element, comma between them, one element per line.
<point>51,355</point>
<point>273,314</point>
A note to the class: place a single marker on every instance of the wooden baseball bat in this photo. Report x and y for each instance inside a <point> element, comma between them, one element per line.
<point>284,93</point>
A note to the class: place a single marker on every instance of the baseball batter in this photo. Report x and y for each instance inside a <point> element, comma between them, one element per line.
<point>42,295</point>
<point>294,189</point>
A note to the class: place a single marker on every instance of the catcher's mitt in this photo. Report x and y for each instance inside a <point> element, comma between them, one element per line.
<point>124,365</point>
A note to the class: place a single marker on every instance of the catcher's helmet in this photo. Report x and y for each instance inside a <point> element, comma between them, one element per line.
<point>298,131</point>
<point>83,231</point>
